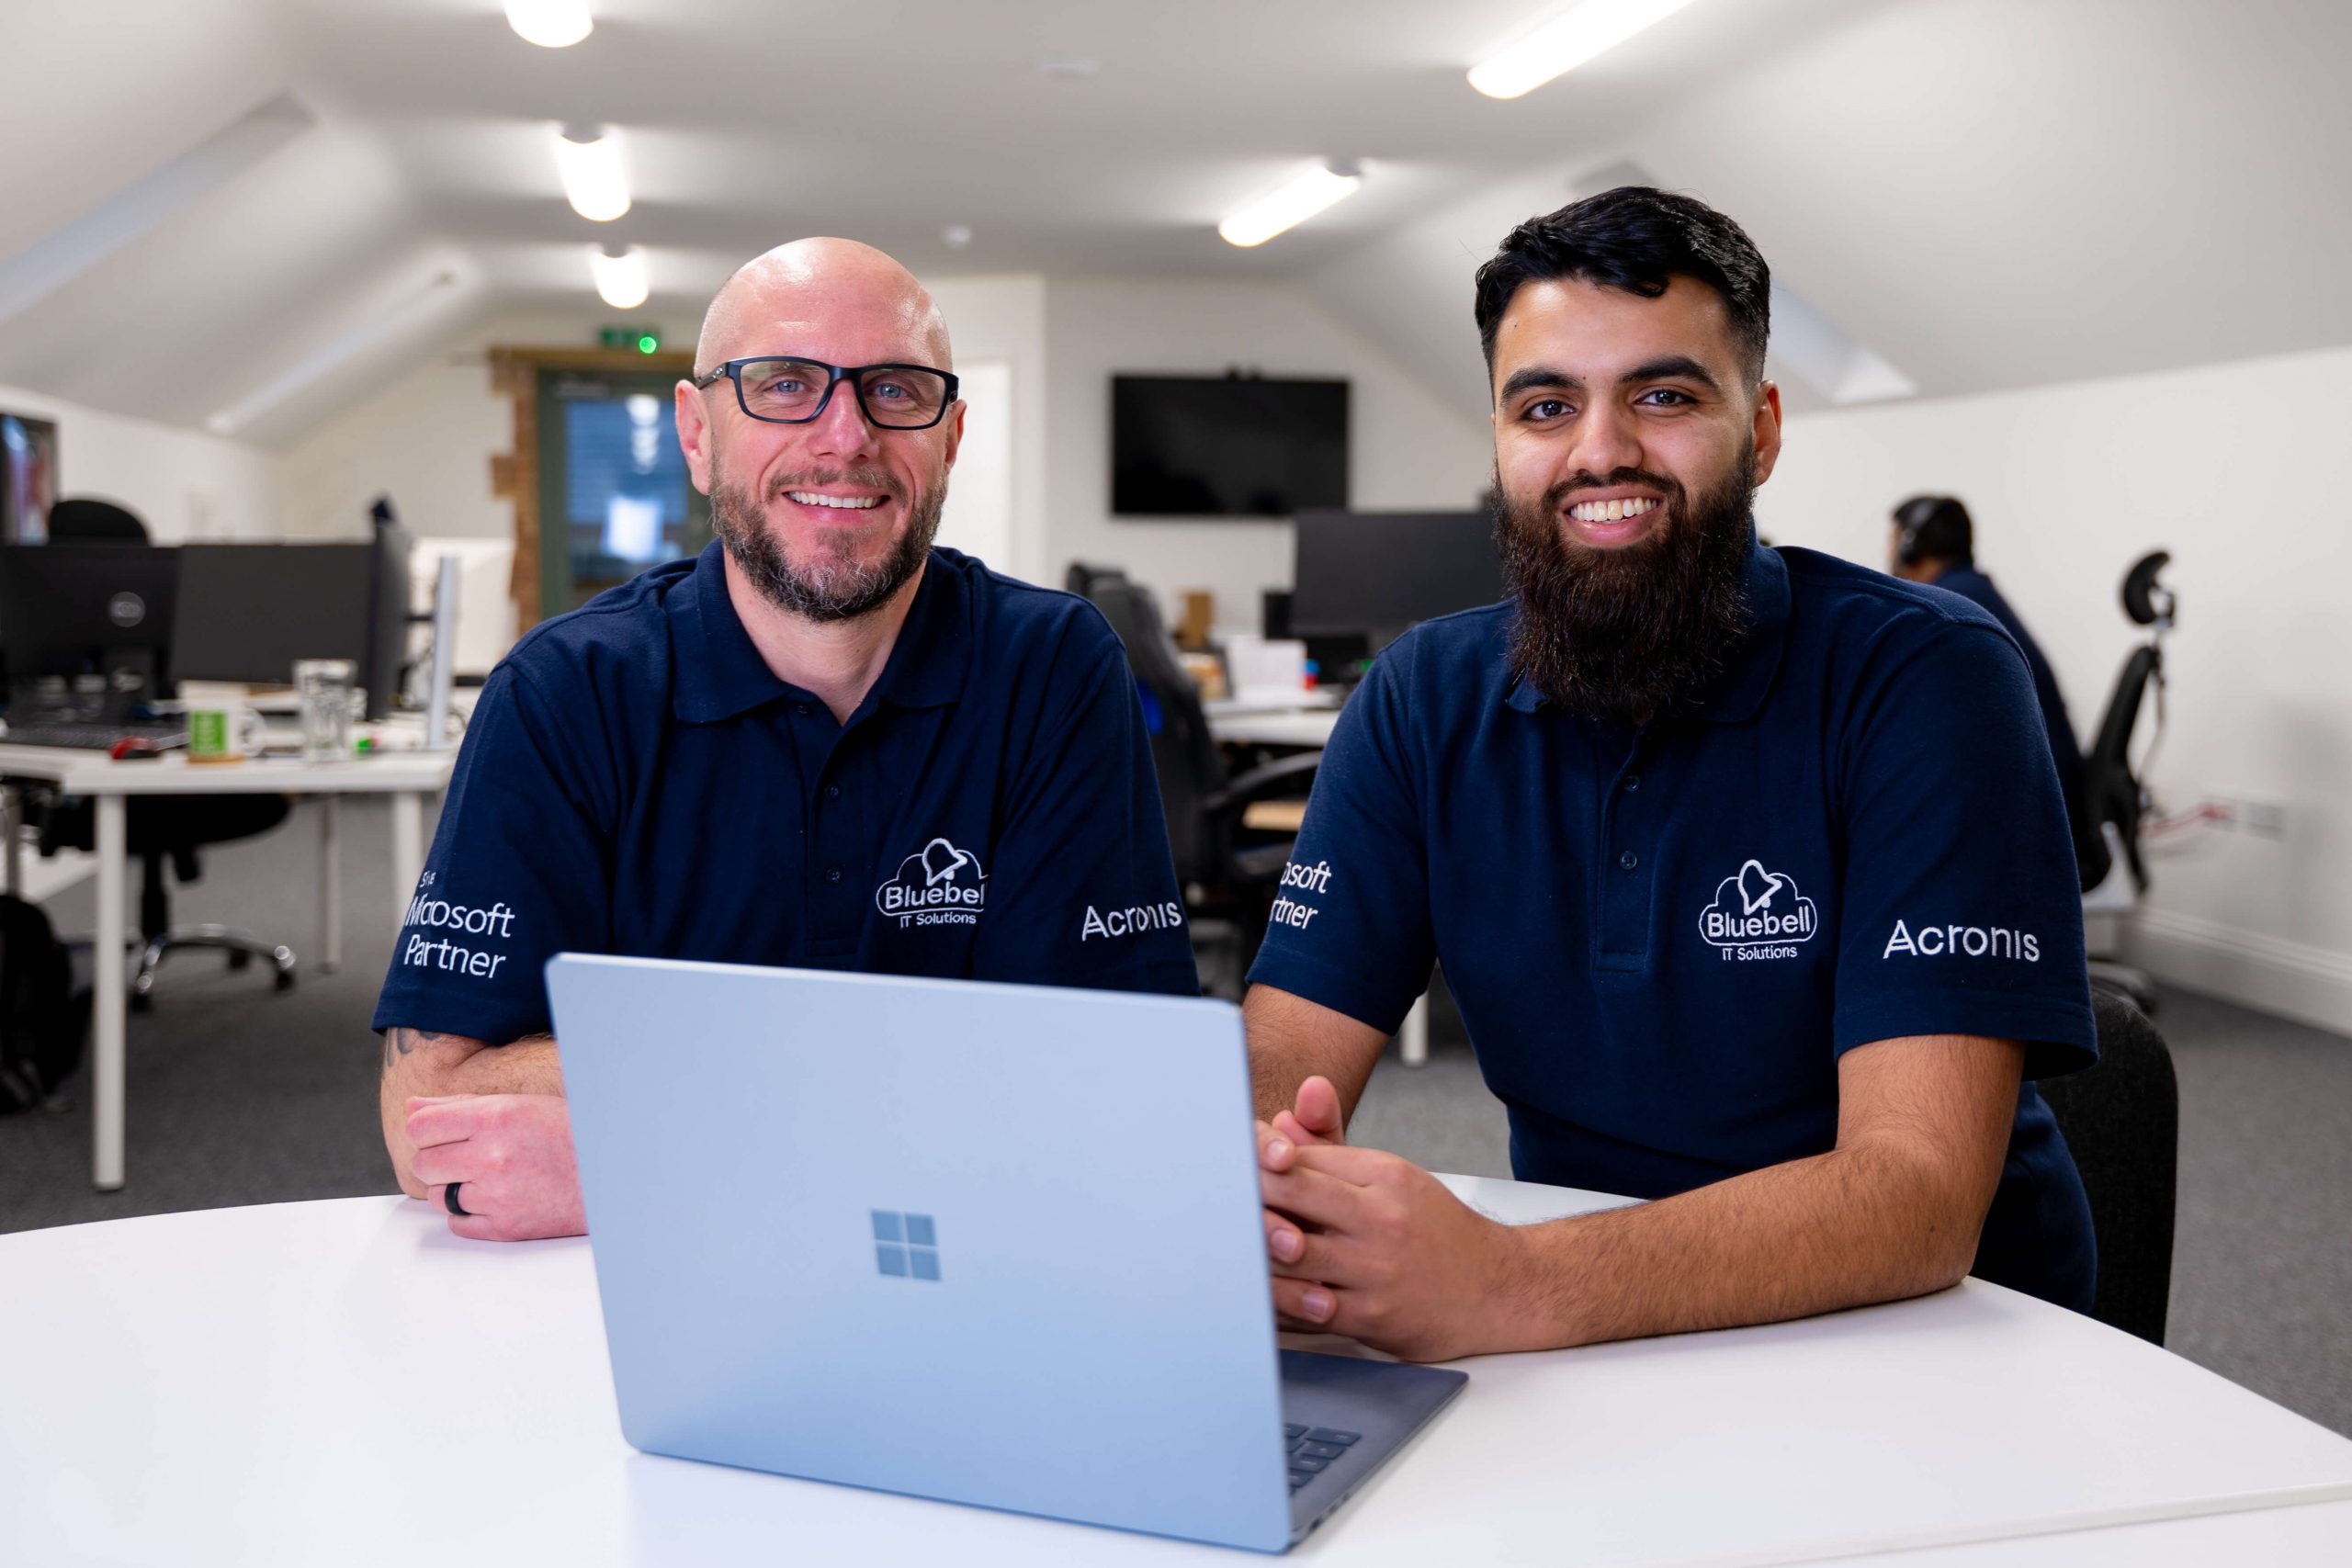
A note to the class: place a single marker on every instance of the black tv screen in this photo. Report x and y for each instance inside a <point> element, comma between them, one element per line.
<point>1227,447</point>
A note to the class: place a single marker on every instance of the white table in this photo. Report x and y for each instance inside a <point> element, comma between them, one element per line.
<point>345,1382</point>
<point>408,777</point>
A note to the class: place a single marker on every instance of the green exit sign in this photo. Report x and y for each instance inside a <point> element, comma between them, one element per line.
<point>644,340</point>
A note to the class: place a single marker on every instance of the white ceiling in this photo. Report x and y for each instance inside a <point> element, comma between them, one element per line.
<point>1987,193</point>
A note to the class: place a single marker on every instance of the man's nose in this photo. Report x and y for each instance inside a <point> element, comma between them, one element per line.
<point>841,429</point>
<point>1608,439</point>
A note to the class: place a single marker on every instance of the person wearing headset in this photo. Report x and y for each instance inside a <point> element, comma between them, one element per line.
<point>1933,541</point>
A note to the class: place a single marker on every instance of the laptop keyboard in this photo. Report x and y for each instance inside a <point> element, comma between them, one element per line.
<point>1312,1449</point>
<point>92,736</point>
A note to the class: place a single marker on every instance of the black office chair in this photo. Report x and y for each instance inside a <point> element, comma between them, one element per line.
<point>2115,797</point>
<point>2121,1119</point>
<point>1227,870</point>
<point>158,829</point>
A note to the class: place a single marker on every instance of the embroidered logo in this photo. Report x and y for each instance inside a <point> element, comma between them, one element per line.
<point>1759,914</point>
<point>939,884</point>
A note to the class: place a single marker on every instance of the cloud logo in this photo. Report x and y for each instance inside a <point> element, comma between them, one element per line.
<point>1756,908</point>
<point>939,877</point>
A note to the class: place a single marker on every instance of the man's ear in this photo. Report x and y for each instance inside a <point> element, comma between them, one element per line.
<point>694,435</point>
<point>955,434</point>
<point>1767,429</point>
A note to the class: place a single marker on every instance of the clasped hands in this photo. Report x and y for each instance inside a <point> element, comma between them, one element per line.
<point>1369,1244</point>
<point>510,1157</point>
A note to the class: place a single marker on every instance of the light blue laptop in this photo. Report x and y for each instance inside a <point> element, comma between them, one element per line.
<point>998,1245</point>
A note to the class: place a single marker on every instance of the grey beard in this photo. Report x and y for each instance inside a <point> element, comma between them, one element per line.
<point>1631,634</point>
<point>839,588</point>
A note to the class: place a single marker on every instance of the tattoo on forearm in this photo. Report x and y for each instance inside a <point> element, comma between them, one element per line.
<point>399,1042</point>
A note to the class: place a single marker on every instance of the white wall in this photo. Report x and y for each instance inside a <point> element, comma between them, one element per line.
<point>183,485</point>
<point>2243,472</point>
<point>1408,448</point>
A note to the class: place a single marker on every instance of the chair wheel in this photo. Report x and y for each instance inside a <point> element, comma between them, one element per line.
<point>239,958</point>
<point>141,1002</point>
<point>285,981</point>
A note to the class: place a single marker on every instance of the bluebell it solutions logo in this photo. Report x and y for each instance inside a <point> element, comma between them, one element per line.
<point>905,1246</point>
<point>939,884</point>
<point>1758,914</point>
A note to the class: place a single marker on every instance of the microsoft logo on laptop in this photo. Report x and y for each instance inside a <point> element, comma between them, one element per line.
<point>905,1245</point>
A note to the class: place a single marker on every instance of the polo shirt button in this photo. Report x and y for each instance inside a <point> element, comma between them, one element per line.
<point>802,709</point>
<point>832,792</point>
<point>1629,860</point>
<point>832,873</point>
<point>1633,781</point>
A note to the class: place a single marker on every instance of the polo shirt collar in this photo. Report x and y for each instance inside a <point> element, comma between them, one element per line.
<point>719,674</point>
<point>1738,689</point>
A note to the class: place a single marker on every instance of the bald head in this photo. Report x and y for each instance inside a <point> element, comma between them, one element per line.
<point>776,303</point>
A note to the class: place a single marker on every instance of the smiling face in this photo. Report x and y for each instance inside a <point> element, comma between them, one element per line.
<point>830,518</point>
<point>1628,444</point>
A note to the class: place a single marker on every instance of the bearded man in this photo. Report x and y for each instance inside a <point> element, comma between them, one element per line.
<point>1747,867</point>
<point>825,743</point>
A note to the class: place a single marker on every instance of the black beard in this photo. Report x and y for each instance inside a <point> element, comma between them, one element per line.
<point>1629,634</point>
<point>836,589</point>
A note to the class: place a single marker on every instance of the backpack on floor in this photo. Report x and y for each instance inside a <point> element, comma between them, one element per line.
<point>41,1027</point>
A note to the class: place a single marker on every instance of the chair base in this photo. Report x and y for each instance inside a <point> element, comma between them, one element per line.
<point>241,946</point>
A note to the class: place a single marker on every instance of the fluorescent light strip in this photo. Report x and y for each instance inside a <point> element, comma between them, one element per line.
<point>551,24</point>
<point>588,160</point>
<point>1565,42</point>
<point>1294,204</point>
<point>619,271</point>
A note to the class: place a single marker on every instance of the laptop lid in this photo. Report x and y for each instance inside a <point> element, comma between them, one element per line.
<point>997,1244</point>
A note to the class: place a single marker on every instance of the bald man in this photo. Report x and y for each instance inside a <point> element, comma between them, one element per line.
<point>827,743</point>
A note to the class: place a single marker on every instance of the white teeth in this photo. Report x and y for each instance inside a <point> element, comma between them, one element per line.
<point>1611,511</point>
<point>840,502</point>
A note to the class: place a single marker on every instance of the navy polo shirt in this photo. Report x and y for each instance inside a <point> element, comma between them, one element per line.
<point>1663,938</point>
<point>636,780</point>
<point>2064,750</point>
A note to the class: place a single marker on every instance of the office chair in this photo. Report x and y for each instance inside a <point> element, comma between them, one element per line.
<point>1226,871</point>
<point>2113,874</point>
<point>158,829</point>
<point>2121,1119</point>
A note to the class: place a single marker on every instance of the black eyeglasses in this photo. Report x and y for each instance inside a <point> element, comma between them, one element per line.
<point>794,391</point>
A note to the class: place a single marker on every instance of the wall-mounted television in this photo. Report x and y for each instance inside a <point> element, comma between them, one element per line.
<point>1227,447</point>
<point>27,478</point>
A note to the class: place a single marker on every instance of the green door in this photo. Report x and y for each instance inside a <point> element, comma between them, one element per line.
<point>614,496</point>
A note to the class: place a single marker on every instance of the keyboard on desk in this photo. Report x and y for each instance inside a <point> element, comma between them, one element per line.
<point>92,736</point>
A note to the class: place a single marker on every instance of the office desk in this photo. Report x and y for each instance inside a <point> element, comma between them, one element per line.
<point>406,776</point>
<point>1307,728</point>
<point>347,1383</point>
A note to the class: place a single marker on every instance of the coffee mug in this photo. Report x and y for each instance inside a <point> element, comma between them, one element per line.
<point>220,729</point>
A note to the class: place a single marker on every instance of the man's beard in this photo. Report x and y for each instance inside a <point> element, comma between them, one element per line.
<point>838,585</point>
<point>1627,634</point>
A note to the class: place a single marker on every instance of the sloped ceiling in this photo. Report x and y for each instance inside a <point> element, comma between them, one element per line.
<point>1983,193</point>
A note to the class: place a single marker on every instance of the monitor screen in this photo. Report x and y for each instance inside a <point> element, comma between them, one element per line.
<point>248,611</point>
<point>1378,572</point>
<point>1227,447</point>
<point>27,478</point>
<point>90,610</point>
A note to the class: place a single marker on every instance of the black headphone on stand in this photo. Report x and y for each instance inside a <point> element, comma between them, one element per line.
<point>1933,527</point>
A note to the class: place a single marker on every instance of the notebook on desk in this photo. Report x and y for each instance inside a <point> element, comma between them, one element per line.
<point>995,1245</point>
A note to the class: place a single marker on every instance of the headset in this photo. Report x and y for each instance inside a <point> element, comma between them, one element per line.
<point>1933,527</point>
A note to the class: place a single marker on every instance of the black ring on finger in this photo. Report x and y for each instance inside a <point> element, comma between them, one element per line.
<point>449,1200</point>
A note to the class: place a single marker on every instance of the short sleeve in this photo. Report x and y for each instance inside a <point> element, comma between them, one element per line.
<point>1962,913</point>
<point>1084,892</point>
<point>1349,928</point>
<point>517,873</point>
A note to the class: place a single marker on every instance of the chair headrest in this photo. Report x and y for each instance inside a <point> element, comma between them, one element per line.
<point>2145,600</point>
<point>88,521</point>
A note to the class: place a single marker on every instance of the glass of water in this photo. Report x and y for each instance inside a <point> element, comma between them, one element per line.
<point>325,688</point>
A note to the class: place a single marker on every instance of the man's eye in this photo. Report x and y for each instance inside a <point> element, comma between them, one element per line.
<point>1544,408</point>
<point>896,390</point>
<point>1675,397</point>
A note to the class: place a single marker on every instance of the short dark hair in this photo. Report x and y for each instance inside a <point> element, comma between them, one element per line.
<point>1638,239</point>
<point>1934,528</point>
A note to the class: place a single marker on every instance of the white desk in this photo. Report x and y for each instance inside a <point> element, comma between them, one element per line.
<point>345,1382</point>
<point>406,776</point>
<point>1306,728</point>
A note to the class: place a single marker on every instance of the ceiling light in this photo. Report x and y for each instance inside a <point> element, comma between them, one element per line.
<point>1565,42</point>
<point>620,275</point>
<point>590,162</point>
<point>551,24</point>
<point>1294,204</point>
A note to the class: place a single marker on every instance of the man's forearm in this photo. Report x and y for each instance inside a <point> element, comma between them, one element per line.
<point>1292,1040</point>
<point>422,1063</point>
<point>1856,1225</point>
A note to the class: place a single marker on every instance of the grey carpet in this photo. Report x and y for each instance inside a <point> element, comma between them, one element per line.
<point>240,1096</point>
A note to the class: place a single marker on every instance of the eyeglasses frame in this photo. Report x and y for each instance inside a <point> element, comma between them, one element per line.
<point>836,373</point>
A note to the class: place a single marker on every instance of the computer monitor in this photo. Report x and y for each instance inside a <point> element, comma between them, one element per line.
<point>388,620</point>
<point>96,620</point>
<point>248,611</point>
<point>1378,572</point>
